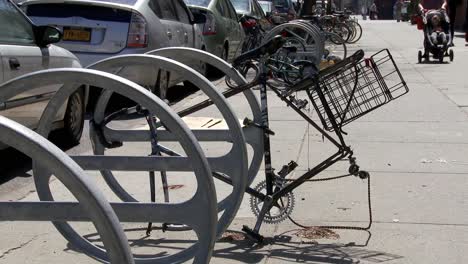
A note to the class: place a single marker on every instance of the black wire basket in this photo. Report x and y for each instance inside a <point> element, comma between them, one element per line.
<point>356,86</point>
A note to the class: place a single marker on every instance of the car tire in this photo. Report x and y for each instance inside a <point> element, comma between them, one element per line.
<point>216,74</point>
<point>74,118</point>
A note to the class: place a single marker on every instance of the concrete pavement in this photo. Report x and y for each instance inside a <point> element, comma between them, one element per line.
<point>415,148</point>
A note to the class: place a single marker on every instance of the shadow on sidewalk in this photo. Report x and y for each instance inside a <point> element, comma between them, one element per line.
<point>283,248</point>
<point>16,164</point>
<point>280,249</point>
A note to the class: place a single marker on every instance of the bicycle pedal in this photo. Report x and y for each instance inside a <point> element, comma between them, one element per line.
<point>253,235</point>
<point>287,169</point>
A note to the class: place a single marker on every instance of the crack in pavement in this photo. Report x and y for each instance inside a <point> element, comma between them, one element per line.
<point>11,250</point>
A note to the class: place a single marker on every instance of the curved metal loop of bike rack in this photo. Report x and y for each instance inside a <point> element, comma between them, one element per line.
<point>234,163</point>
<point>253,135</point>
<point>199,212</point>
<point>90,199</point>
<point>316,48</point>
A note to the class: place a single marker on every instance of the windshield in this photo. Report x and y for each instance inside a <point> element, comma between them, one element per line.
<point>203,3</point>
<point>241,5</point>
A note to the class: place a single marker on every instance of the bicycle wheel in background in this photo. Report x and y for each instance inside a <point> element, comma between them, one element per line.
<point>282,64</point>
<point>357,31</point>
<point>335,49</point>
<point>343,31</point>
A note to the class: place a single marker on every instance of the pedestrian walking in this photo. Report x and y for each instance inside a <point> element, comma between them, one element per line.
<point>373,12</point>
<point>451,7</point>
<point>434,4</point>
<point>398,8</point>
<point>466,23</point>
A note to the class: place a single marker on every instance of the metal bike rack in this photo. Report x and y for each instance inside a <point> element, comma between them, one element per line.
<point>234,163</point>
<point>253,135</point>
<point>313,49</point>
<point>320,34</point>
<point>199,212</point>
<point>92,204</point>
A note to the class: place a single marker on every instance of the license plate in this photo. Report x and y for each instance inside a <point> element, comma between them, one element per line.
<point>77,34</point>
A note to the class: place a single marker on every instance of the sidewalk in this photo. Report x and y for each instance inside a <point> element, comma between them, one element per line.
<point>415,149</point>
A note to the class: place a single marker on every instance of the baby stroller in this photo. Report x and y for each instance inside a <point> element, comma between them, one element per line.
<point>436,36</point>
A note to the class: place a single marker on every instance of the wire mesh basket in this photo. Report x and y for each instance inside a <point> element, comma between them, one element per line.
<point>355,87</point>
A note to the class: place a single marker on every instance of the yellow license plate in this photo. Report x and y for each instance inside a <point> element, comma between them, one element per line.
<point>77,35</point>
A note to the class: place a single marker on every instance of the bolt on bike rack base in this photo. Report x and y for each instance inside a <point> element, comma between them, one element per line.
<point>91,203</point>
<point>199,212</point>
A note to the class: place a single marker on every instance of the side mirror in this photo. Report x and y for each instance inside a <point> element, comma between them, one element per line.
<point>198,18</point>
<point>46,35</point>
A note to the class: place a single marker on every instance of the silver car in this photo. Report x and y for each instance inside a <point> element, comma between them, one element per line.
<point>95,30</point>
<point>25,48</point>
<point>222,32</point>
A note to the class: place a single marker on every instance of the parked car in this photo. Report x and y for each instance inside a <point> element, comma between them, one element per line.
<point>95,30</point>
<point>281,11</point>
<point>25,48</point>
<point>222,33</point>
<point>252,9</point>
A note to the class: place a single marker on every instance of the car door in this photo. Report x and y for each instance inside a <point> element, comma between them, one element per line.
<point>20,55</point>
<point>236,32</point>
<point>186,29</point>
<point>165,11</point>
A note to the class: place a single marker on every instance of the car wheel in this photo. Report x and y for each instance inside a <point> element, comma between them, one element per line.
<point>74,118</point>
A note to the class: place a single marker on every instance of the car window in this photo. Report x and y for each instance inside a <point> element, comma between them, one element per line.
<point>241,6</point>
<point>14,27</point>
<point>221,8</point>
<point>266,6</point>
<point>231,10</point>
<point>261,13</point>
<point>181,12</point>
<point>283,3</point>
<point>203,3</point>
<point>256,10</point>
<point>164,9</point>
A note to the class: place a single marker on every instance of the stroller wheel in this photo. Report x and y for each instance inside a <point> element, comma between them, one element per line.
<point>451,55</point>
<point>419,56</point>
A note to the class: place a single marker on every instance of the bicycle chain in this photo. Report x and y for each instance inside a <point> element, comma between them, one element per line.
<point>342,227</point>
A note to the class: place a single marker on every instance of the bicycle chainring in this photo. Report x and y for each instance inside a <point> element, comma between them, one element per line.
<point>277,213</point>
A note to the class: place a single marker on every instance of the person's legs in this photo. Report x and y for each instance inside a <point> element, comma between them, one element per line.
<point>434,39</point>
<point>466,23</point>
<point>442,38</point>
<point>452,12</point>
